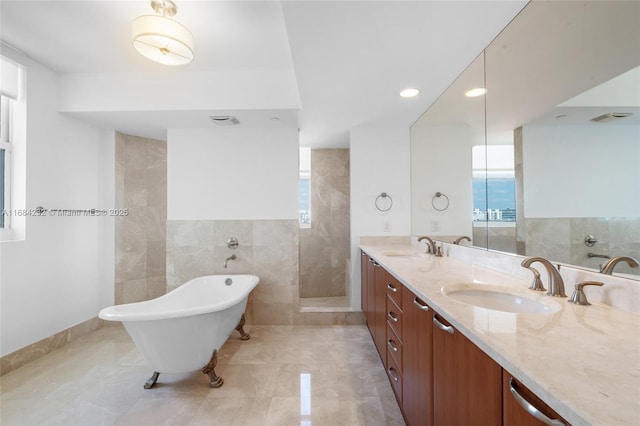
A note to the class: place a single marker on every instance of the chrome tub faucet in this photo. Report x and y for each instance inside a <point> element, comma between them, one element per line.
<point>232,257</point>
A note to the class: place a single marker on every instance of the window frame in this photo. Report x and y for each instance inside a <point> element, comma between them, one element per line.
<point>6,118</point>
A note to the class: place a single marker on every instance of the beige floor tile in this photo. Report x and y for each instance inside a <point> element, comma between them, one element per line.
<point>232,412</point>
<point>294,411</point>
<point>298,375</point>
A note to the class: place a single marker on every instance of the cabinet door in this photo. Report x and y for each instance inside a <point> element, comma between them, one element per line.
<point>364,282</point>
<point>417,331</point>
<point>516,397</point>
<point>371,295</point>
<point>380,313</point>
<point>467,383</point>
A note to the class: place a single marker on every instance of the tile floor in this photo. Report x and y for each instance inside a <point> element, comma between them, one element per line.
<point>284,375</point>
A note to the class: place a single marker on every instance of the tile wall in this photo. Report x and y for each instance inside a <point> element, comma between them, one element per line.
<point>562,239</point>
<point>325,246</point>
<point>267,248</point>
<point>141,188</point>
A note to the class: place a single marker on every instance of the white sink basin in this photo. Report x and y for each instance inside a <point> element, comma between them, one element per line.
<point>402,254</point>
<point>502,298</point>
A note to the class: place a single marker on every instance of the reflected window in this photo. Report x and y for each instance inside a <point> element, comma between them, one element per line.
<point>494,185</point>
<point>305,399</point>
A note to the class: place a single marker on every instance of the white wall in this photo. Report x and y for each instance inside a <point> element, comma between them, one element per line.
<point>179,91</point>
<point>379,163</point>
<point>581,170</point>
<point>55,277</point>
<point>232,173</point>
<point>441,162</point>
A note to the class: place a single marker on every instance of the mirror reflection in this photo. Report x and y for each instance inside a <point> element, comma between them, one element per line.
<point>558,175</point>
<point>442,142</point>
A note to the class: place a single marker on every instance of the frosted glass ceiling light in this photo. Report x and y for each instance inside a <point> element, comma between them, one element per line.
<point>160,38</point>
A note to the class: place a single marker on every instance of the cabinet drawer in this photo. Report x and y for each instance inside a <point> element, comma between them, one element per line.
<point>395,376</point>
<point>519,405</point>
<point>394,317</point>
<point>394,346</point>
<point>394,291</point>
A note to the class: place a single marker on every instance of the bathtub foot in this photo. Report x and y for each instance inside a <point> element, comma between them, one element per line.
<point>216,381</point>
<point>151,380</point>
<point>243,335</point>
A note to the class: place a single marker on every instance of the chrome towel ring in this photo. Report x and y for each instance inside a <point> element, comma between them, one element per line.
<point>384,202</point>
<point>440,202</point>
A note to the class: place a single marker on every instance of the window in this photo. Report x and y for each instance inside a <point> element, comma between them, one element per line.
<point>5,158</point>
<point>304,186</point>
<point>9,91</point>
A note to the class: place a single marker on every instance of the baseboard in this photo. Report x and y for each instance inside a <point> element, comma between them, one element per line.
<point>40,348</point>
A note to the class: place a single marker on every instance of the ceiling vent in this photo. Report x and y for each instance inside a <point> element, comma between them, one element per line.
<point>610,116</point>
<point>224,120</point>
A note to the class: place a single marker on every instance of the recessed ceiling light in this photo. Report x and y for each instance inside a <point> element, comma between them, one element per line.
<point>275,118</point>
<point>409,93</point>
<point>478,91</point>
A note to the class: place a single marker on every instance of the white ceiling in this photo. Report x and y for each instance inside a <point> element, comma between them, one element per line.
<point>348,60</point>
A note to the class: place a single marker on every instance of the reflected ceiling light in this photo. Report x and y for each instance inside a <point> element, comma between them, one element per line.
<point>409,93</point>
<point>160,38</point>
<point>478,91</point>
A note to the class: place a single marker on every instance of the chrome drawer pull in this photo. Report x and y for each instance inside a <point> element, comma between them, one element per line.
<point>441,326</point>
<point>420,305</point>
<point>393,374</point>
<point>392,346</point>
<point>392,317</point>
<point>392,288</point>
<point>530,408</point>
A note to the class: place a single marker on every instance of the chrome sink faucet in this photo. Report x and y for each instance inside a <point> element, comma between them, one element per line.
<point>556,284</point>
<point>431,245</point>
<point>607,268</point>
<point>459,239</point>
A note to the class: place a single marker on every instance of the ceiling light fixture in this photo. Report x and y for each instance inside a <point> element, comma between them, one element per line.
<point>409,93</point>
<point>478,91</point>
<point>160,38</point>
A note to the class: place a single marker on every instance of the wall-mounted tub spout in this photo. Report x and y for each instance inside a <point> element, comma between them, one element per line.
<point>603,256</point>
<point>232,257</point>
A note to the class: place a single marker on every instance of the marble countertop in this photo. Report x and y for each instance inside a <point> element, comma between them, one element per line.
<point>583,361</point>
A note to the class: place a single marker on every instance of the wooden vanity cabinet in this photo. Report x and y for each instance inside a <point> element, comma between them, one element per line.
<point>513,411</point>
<point>439,377</point>
<point>467,383</point>
<point>417,364</point>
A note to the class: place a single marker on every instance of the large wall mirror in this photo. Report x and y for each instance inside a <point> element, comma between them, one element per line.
<point>547,162</point>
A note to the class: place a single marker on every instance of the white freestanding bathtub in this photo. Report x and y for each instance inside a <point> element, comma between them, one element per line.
<point>183,330</point>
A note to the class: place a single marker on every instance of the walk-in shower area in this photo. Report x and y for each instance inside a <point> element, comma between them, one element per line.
<point>325,239</point>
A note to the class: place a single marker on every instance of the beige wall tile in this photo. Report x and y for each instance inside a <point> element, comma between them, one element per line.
<point>141,188</point>
<point>325,247</point>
